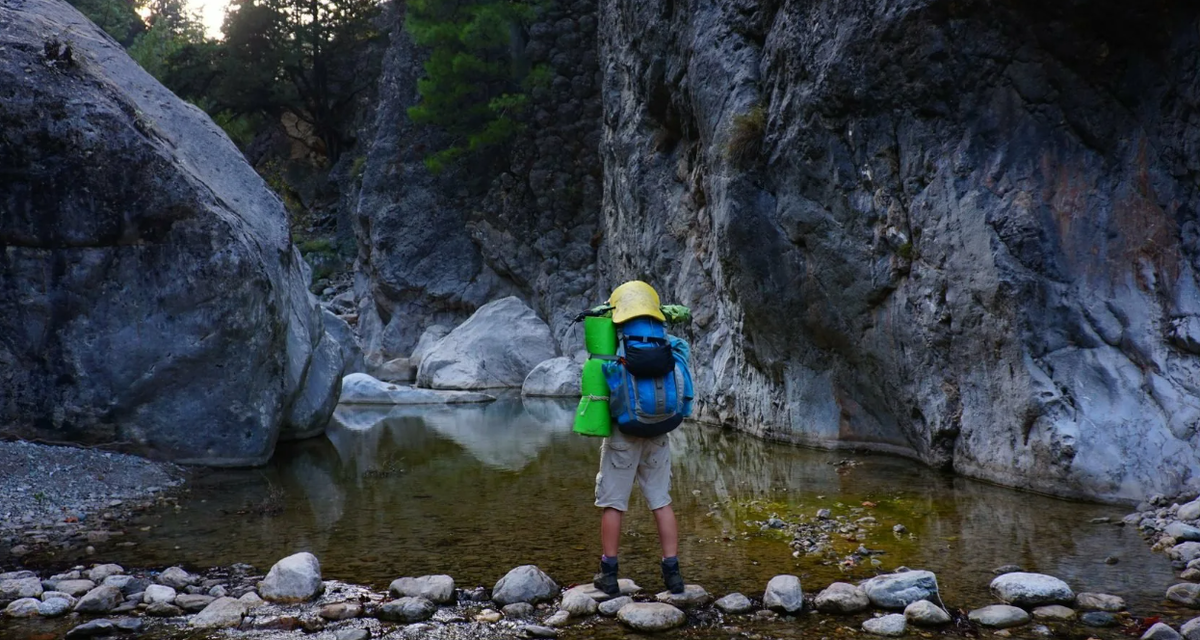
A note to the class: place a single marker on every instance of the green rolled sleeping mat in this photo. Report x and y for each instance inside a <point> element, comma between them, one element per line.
<point>599,336</point>
<point>592,418</point>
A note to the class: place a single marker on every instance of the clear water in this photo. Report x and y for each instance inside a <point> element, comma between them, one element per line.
<point>473,491</point>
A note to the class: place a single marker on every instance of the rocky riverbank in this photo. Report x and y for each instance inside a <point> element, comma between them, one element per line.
<point>62,502</point>
<point>293,598</point>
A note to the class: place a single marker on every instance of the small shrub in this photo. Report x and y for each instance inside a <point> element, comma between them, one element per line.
<point>905,251</point>
<point>745,137</point>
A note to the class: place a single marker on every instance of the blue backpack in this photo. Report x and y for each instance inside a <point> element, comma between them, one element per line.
<point>649,382</point>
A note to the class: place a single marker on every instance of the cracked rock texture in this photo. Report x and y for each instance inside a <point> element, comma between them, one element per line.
<point>150,297</point>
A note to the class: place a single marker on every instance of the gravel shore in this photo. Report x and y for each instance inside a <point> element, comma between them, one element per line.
<point>50,492</point>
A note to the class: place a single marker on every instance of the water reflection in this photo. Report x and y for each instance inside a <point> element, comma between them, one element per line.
<point>472,490</point>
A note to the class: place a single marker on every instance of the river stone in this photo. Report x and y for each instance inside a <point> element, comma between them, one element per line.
<point>52,595</point>
<point>843,597</point>
<point>296,578</point>
<point>407,609</point>
<point>693,595</point>
<point>74,588</point>
<point>25,573</point>
<point>193,602</point>
<point>341,611</point>
<point>1098,619</point>
<point>999,615</point>
<point>360,388</point>
<point>892,625</point>
<point>129,625</point>
<point>1189,511</point>
<point>17,588</point>
<point>1191,628</point>
<point>611,607</point>
<point>1182,532</point>
<point>518,610</point>
<point>651,616</point>
<point>222,613</point>
<point>538,631</point>
<point>177,264</point>
<point>526,583</point>
<point>577,604</point>
<point>1031,589</point>
<point>127,584</point>
<point>251,600</point>
<point>496,347</point>
<point>1056,612</point>
<point>559,619</point>
<point>628,588</point>
<point>163,610</point>
<point>99,572</point>
<point>1184,552</point>
<point>925,613</point>
<point>1161,631</point>
<point>556,377</point>
<point>1099,602</point>
<point>489,615</point>
<point>91,629</point>
<point>784,593</point>
<point>158,593</point>
<point>99,600</point>
<point>352,634</point>
<point>1186,594</point>
<point>23,608</point>
<point>54,607</point>
<point>735,603</point>
<point>898,590</point>
<point>177,578</point>
<point>437,589</point>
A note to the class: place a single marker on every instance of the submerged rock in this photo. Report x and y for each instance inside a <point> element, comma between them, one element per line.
<point>526,583</point>
<point>891,625</point>
<point>1031,589</point>
<point>1099,602</point>
<point>842,597</point>
<point>295,578</point>
<point>1000,616</point>
<point>784,593</point>
<point>91,629</point>
<point>1053,612</point>
<point>1098,619</point>
<point>651,616</point>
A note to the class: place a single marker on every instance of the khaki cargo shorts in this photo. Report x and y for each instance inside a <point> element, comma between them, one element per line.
<point>624,459</point>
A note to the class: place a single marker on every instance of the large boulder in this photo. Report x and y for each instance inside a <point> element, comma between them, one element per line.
<point>556,377</point>
<point>150,294</point>
<point>784,593</point>
<point>496,347</point>
<point>526,583</point>
<point>360,388</point>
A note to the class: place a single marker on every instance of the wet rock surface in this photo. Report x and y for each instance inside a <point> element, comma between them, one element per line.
<point>1000,616</point>
<point>1031,589</point>
<point>651,616</point>
<point>891,625</point>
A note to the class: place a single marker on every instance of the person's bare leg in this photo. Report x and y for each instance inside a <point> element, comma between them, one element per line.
<point>668,531</point>
<point>610,531</point>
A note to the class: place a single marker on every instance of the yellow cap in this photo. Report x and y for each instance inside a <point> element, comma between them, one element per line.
<point>633,299</point>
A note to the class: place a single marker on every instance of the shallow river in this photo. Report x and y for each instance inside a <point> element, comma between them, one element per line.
<point>474,491</point>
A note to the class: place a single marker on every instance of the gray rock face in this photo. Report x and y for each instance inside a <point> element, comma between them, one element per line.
<point>178,299</point>
<point>222,613</point>
<point>518,610</point>
<point>23,608</point>
<point>54,607</point>
<point>784,593</point>
<point>99,600</point>
<point>1182,532</point>
<point>925,613</point>
<point>74,588</point>
<point>407,609</point>
<point>1000,616</point>
<point>526,583</point>
<point>347,341</point>
<point>1099,602</point>
<point>17,588</point>
<point>556,377</point>
<point>1031,589</point>
<point>1189,511</point>
<point>651,616</point>
<point>295,578</point>
<point>91,629</point>
<point>99,573</point>
<point>1161,631</point>
<point>842,597</point>
<point>437,589</point>
<point>1186,594</point>
<point>891,625</point>
<point>193,602</point>
<point>611,607</point>
<point>941,196</point>
<point>496,347</point>
<point>735,603</point>
<point>898,590</point>
<point>1191,628</point>
<point>577,604</point>
<point>360,388</point>
<point>158,593</point>
<point>693,596</point>
<point>177,578</point>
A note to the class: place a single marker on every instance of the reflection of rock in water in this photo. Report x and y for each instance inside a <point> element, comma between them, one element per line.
<point>504,434</point>
<point>311,472</point>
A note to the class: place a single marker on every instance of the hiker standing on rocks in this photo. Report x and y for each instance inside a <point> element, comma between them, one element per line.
<point>650,393</point>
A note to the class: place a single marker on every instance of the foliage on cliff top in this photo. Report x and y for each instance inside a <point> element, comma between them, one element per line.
<point>477,78</point>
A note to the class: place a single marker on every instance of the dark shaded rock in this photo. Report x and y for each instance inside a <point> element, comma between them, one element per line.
<point>1098,619</point>
<point>92,629</point>
<point>149,281</point>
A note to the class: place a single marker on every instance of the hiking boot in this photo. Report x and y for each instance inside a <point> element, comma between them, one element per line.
<point>606,580</point>
<point>671,576</point>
